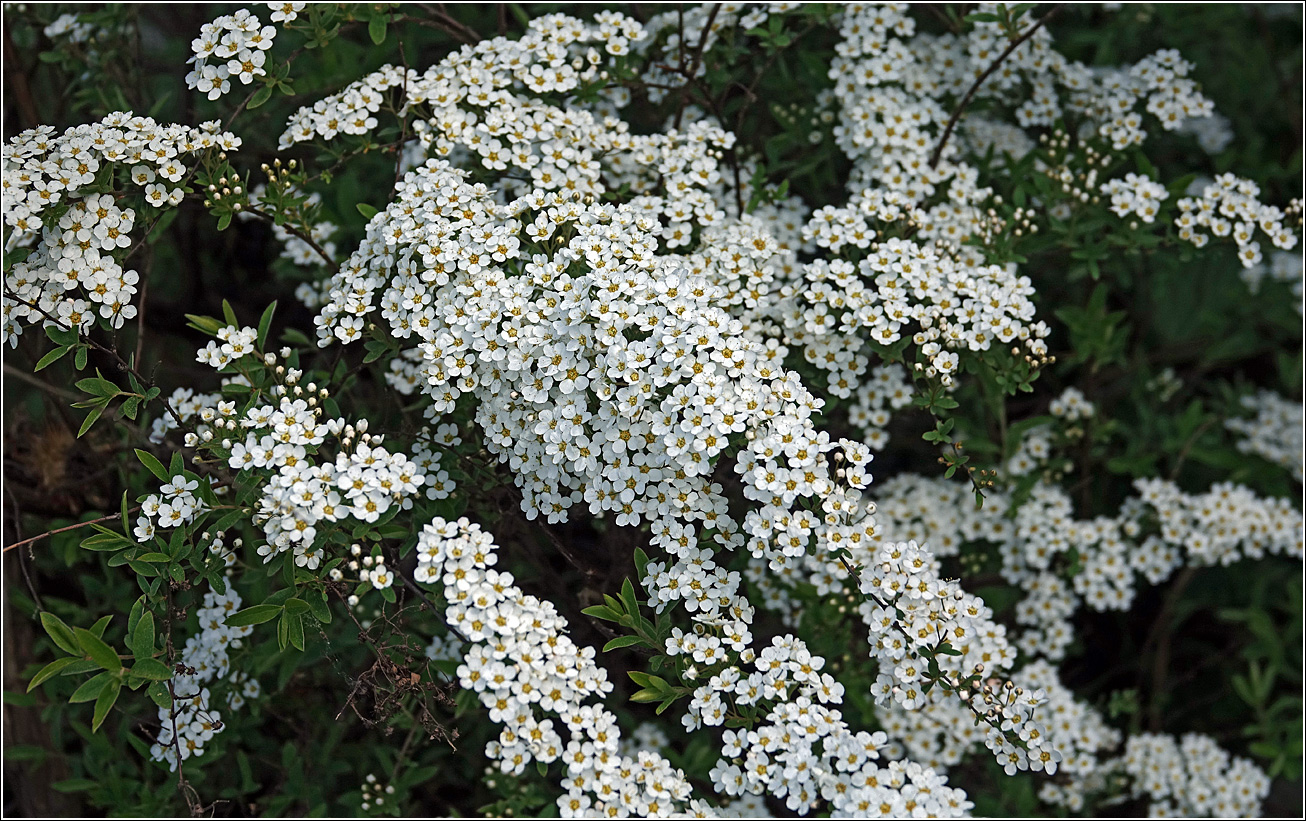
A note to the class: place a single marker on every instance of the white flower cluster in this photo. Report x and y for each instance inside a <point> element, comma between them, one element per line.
<point>1162,80</point>
<point>281,435</point>
<point>802,750</point>
<point>348,112</point>
<point>237,44</point>
<point>1135,194</point>
<point>1221,526</point>
<point>1154,534</point>
<point>190,721</point>
<point>1229,207</point>
<point>75,271</point>
<point>1283,267</point>
<point>943,305</point>
<point>911,612</point>
<point>373,793</point>
<point>71,26</point>
<point>887,389</point>
<point>1071,406</point>
<point>1275,434</point>
<point>942,732</point>
<point>476,98</point>
<point>914,508</point>
<point>173,506</point>
<point>1194,777</point>
<point>521,661</point>
<point>1213,133</point>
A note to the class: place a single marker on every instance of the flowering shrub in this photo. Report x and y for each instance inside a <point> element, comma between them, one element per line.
<point>722,410</point>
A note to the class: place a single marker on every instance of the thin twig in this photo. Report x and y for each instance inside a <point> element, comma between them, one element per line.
<point>307,238</point>
<point>979,81</point>
<point>694,63</point>
<point>10,547</point>
<point>1160,634</point>
<point>17,373</point>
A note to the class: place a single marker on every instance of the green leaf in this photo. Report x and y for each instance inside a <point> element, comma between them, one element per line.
<point>376,29</point>
<point>646,696</point>
<point>296,607</point>
<point>104,702</point>
<point>598,611</point>
<point>80,666</point>
<point>61,633</point>
<point>295,631</point>
<point>641,563</point>
<point>151,669</point>
<point>257,614</point>
<point>264,323</point>
<point>229,314</point>
<point>73,784</point>
<point>49,670</point>
<point>89,421</point>
<point>90,689</point>
<point>260,97</point>
<point>153,464</point>
<point>207,324</point>
<point>366,210</point>
<point>158,693</point>
<point>622,641</point>
<point>50,358</point>
<point>142,638</point>
<point>628,596</point>
<point>100,653</point>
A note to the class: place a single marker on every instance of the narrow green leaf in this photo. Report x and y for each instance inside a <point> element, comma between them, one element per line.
<point>296,607</point>
<point>257,614</point>
<point>100,653</point>
<point>158,693</point>
<point>598,611</point>
<point>296,631</point>
<point>50,358</point>
<point>153,465</point>
<point>264,323</point>
<point>100,624</point>
<point>90,689</point>
<point>207,324</point>
<point>61,633</point>
<point>622,641</point>
<point>104,702</point>
<point>142,638</point>
<point>151,669</point>
<point>260,97</point>
<point>89,421</point>
<point>49,670</point>
<point>376,29</point>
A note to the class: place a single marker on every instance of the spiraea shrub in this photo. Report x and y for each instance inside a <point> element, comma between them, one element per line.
<point>730,409</point>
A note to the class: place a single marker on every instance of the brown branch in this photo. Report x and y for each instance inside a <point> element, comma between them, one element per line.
<point>17,373</point>
<point>10,547</point>
<point>979,81</point>
<point>295,232</point>
<point>1160,636</point>
<point>694,63</point>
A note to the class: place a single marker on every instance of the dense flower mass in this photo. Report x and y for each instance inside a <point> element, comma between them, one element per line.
<point>75,272</point>
<point>585,313</point>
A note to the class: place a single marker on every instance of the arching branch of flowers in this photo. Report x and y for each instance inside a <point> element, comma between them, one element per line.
<point>979,81</point>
